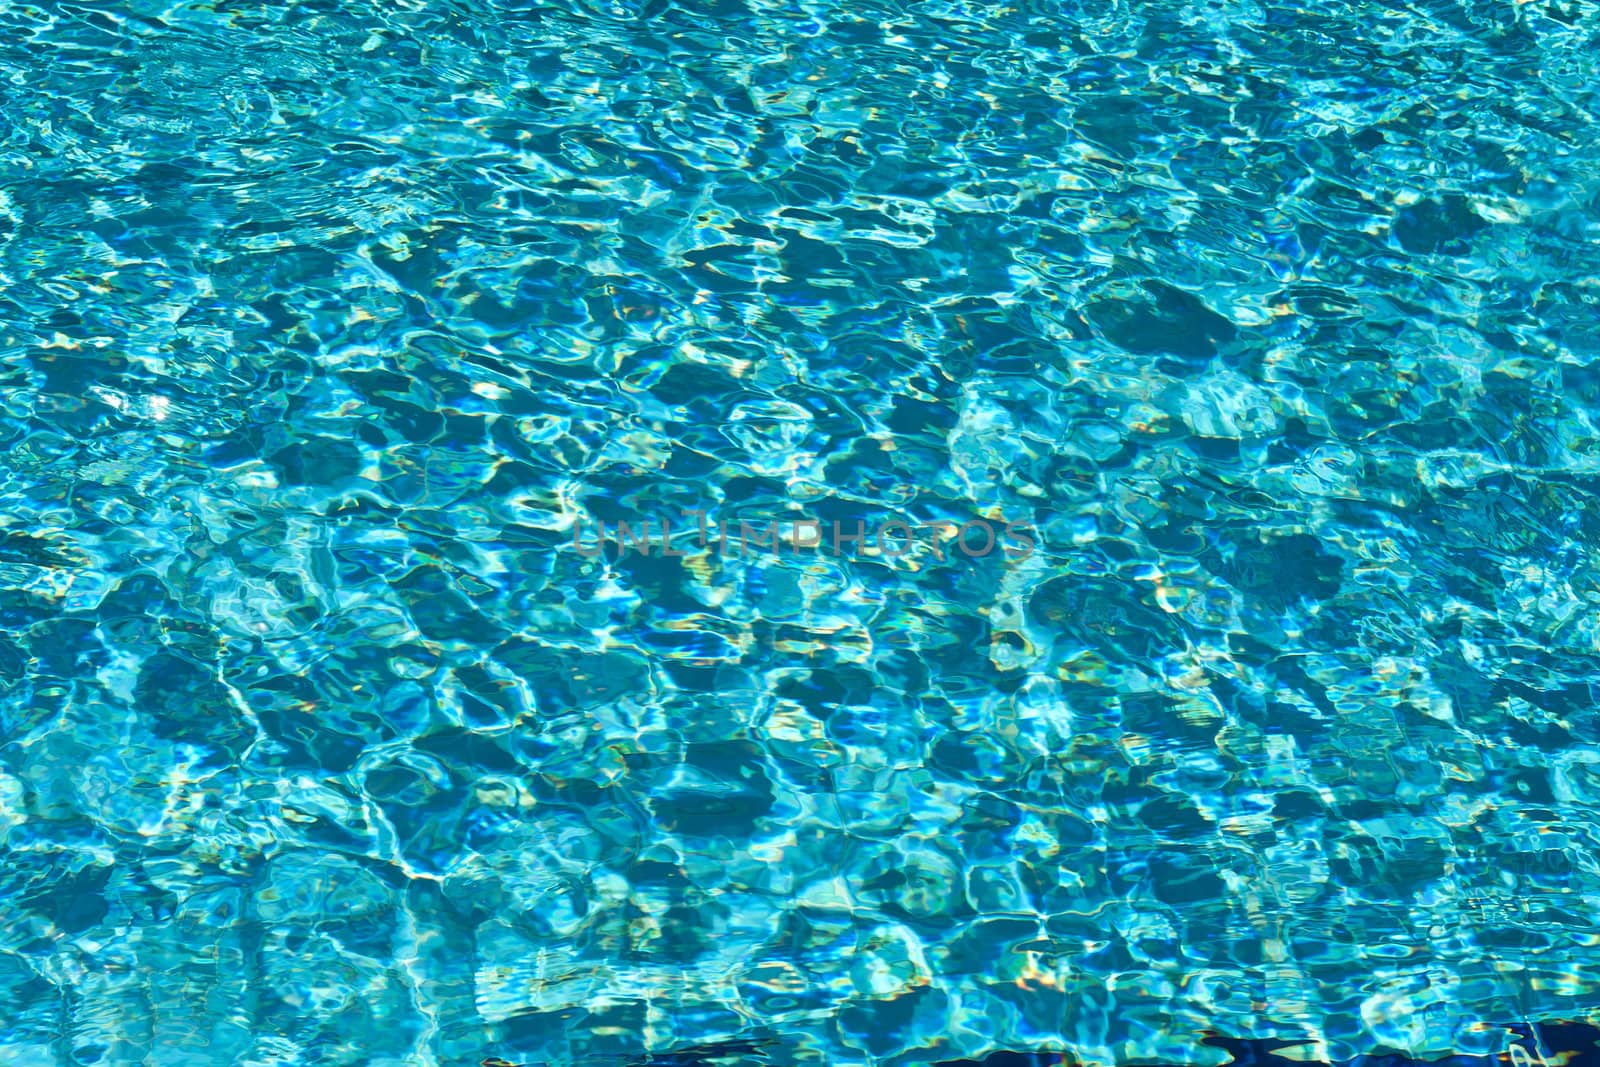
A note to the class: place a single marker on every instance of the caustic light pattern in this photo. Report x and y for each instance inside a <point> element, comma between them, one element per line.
<point>325,324</point>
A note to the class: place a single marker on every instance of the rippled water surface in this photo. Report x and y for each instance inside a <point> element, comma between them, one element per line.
<point>331,333</point>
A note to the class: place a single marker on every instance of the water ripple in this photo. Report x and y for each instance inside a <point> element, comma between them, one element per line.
<point>323,328</point>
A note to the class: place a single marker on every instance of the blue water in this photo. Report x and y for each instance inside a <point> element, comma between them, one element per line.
<point>1233,370</point>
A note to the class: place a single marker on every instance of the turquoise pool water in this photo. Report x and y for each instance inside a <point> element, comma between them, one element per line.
<point>1213,389</point>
